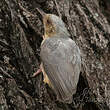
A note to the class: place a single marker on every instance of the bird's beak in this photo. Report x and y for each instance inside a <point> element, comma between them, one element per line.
<point>41,12</point>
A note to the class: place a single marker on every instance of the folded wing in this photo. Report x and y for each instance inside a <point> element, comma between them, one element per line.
<point>61,61</point>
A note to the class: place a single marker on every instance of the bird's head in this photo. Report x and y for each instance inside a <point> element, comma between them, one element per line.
<point>53,25</point>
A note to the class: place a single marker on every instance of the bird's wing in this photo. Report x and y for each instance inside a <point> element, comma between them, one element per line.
<point>61,61</point>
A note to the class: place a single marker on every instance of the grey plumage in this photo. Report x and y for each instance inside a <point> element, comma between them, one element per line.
<point>62,63</point>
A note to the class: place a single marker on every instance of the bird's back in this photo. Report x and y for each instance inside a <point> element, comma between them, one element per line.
<point>62,64</point>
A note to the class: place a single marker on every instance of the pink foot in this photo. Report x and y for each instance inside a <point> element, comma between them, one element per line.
<point>36,73</point>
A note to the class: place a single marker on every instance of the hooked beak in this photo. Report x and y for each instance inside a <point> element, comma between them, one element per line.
<point>41,12</point>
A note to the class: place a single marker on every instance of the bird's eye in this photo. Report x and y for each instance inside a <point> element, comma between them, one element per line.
<point>48,21</point>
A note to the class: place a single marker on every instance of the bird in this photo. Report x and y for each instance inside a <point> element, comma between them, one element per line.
<point>60,57</point>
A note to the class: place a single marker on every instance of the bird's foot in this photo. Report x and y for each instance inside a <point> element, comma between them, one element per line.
<point>36,73</point>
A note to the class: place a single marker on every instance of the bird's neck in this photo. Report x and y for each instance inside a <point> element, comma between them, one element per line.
<point>48,35</point>
<point>59,34</point>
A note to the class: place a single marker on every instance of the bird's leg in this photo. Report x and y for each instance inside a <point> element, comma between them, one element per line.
<point>36,73</point>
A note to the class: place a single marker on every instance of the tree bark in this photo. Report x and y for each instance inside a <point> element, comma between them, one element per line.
<point>21,32</point>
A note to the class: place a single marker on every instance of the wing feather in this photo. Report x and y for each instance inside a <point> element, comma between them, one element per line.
<point>61,61</point>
